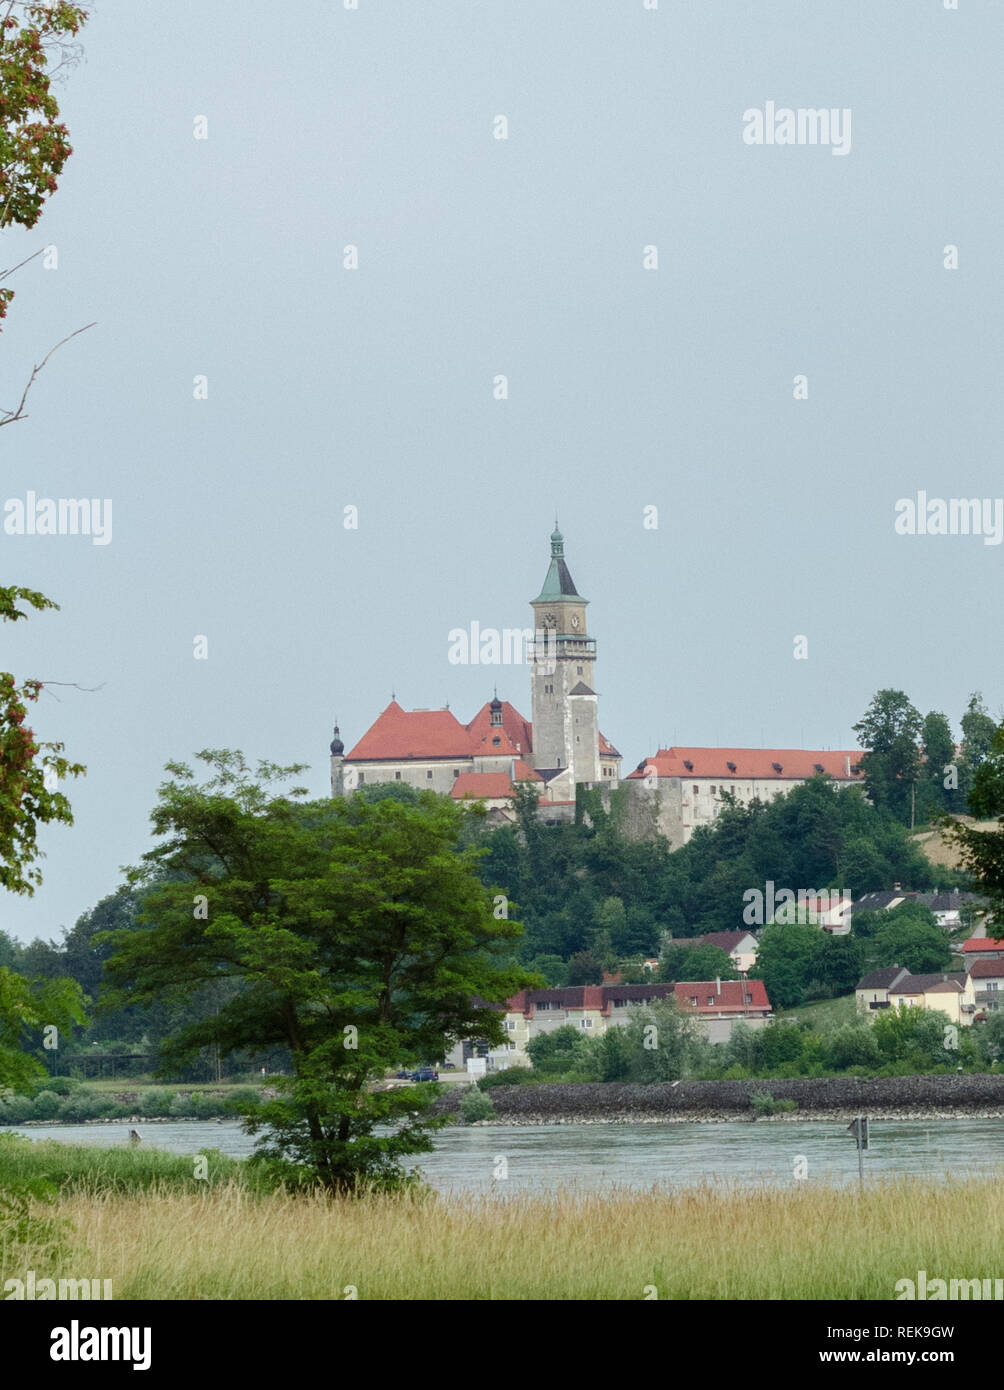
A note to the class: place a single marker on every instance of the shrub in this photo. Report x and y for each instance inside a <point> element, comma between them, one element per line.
<point>61,1085</point>
<point>154,1104</point>
<point>46,1106</point>
<point>476,1105</point>
<point>15,1110</point>
<point>511,1076</point>
<point>763,1103</point>
<point>83,1105</point>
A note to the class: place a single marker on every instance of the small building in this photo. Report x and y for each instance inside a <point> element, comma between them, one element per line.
<point>739,946</point>
<point>893,986</point>
<point>988,981</point>
<point>983,948</point>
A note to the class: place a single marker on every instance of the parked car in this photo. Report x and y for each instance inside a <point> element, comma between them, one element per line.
<point>402,1075</point>
<point>425,1074</point>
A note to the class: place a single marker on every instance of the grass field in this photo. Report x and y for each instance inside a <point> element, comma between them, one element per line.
<point>157,1233</point>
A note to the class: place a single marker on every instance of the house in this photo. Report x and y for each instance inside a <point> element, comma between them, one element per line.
<point>872,992</point>
<point>954,995</point>
<point>830,911</point>
<point>723,1003</point>
<point>895,987</point>
<point>719,1004</point>
<point>983,948</point>
<point>947,907</point>
<point>988,981</point>
<point>739,946</point>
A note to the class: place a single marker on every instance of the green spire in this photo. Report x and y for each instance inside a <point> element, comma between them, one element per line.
<point>559,583</point>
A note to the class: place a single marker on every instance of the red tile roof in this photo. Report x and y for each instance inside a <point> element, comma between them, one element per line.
<point>398,734</point>
<point>494,785</point>
<point>983,943</point>
<point>731,998</point>
<point>749,763</point>
<point>515,732</point>
<point>419,733</point>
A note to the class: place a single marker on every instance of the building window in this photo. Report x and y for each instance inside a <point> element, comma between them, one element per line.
<point>456,772</point>
<point>749,999</point>
<point>397,776</point>
<point>693,998</point>
<point>713,790</point>
<point>585,1023</point>
<point>711,998</point>
<point>510,1025</point>
<point>696,790</point>
<point>578,670</point>
<point>511,1046</point>
<point>362,778</point>
<point>542,1006</point>
<point>429,774</point>
<point>620,1003</point>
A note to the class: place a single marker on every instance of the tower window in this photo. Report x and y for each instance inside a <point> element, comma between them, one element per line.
<point>578,670</point>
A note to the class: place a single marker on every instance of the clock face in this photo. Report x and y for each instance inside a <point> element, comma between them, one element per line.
<point>575,620</point>
<point>550,620</point>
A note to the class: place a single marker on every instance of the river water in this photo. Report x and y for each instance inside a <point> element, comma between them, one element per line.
<point>546,1157</point>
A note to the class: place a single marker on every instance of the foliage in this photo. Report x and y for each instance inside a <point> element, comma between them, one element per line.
<point>26,1007</point>
<point>361,939</point>
<point>476,1105</point>
<point>29,770</point>
<point>762,1103</point>
<point>889,732</point>
<point>910,937</point>
<point>701,962</point>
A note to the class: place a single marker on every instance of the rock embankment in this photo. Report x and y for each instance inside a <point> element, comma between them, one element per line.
<point>822,1098</point>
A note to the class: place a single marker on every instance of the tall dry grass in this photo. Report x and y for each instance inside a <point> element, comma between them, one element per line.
<point>797,1243</point>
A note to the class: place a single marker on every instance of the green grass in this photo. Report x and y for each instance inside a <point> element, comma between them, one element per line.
<point>824,1015</point>
<point>86,1168</point>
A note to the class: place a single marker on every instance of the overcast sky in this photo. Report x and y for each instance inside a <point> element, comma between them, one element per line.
<point>627,387</point>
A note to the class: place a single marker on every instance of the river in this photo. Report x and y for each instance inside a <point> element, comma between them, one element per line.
<point>546,1157</point>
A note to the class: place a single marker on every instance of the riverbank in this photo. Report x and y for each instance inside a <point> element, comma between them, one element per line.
<point>834,1099</point>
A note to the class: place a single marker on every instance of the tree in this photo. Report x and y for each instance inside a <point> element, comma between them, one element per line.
<point>934,798</point>
<point>27,1007</point>
<point>661,1040</point>
<point>359,933</point>
<point>889,731</point>
<point>982,852</point>
<point>36,42</point>
<point>585,969</point>
<point>912,938</point>
<point>978,730</point>
<point>29,770</point>
<point>700,962</point>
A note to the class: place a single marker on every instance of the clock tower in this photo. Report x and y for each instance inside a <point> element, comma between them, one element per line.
<point>565,715</point>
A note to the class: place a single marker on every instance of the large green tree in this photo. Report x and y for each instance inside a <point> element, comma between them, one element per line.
<point>361,938</point>
<point>889,731</point>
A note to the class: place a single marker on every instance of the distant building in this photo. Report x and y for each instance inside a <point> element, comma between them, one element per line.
<point>719,1005</point>
<point>739,946</point>
<point>561,749</point>
<point>894,986</point>
<point>988,980</point>
<point>689,784</point>
<point>947,907</point>
<point>983,948</point>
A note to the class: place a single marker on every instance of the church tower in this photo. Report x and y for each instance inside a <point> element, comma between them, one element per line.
<point>565,715</point>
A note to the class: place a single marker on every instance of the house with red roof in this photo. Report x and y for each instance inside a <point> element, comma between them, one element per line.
<point>983,948</point>
<point>988,981</point>
<point>718,1004</point>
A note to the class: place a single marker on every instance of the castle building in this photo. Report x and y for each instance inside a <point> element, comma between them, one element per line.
<point>670,794</point>
<point>561,748</point>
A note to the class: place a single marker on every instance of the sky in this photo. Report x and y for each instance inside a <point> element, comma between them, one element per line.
<point>481,257</point>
